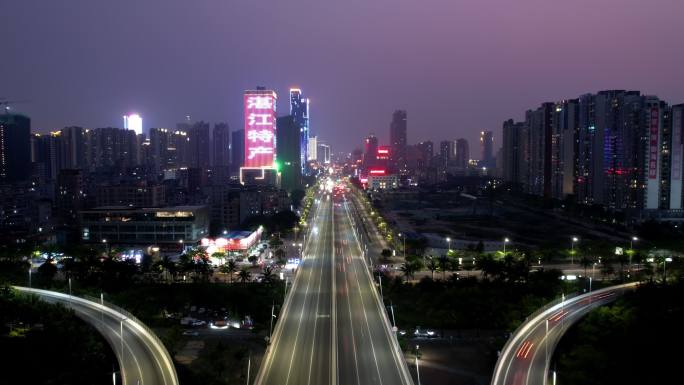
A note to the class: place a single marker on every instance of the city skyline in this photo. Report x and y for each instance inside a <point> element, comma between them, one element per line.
<point>476,82</point>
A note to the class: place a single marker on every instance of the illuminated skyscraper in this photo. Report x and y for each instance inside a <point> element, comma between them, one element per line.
<point>312,150</point>
<point>299,109</point>
<point>133,122</point>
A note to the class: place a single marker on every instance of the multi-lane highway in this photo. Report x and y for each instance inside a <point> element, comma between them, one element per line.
<point>333,329</point>
<point>524,360</point>
<point>142,357</point>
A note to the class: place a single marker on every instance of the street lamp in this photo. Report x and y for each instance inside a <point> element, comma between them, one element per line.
<point>506,240</point>
<point>668,259</point>
<point>417,369</point>
<point>572,250</point>
<point>631,251</point>
<point>404,238</point>
<point>449,245</point>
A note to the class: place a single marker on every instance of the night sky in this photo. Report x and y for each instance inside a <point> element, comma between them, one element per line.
<point>457,66</point>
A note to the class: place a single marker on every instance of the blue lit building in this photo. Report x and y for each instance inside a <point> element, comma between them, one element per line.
<point>299,109</point>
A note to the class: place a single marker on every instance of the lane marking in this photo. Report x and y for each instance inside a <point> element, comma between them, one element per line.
<point>301,316</point>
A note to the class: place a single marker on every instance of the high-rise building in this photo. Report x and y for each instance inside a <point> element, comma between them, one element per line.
<point>299,110</point>
<point>565,127</point>
<point>514,161</point>
<point>110,147</point>
<point>237,150</point>
<point>260,137</point>
<point>398,128</point>
<point>72,140</point>
<point>616,148</point>
<point>199,145</point>
<point>370,150</point>
<point>221,145</point>
<point>70,194</point>
<point>323,153</point>
<point>134,123</point>
<point>462,154</point>
<point>677,157</point>
<point>487,148</point>
<point>539,122</point>
<point>46,156</point>
<point>15,147</point>
<point>446,153</point>
<point>312,150</point>
<point>289,153</point>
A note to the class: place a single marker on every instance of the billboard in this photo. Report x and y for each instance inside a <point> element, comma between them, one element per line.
<point>654,124</point>
<point>260,126</point>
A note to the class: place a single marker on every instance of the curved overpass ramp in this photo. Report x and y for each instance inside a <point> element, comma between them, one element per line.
<point>142,357</point>
<point>524,360</point>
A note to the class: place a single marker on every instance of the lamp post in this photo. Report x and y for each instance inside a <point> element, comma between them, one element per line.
<point>417,368</point>
<point>270,333</point>
<point>506,240</point>
<point>572,250</point>
<point>665,261</point>
<point>403,236</point>
<point>448,246</point>
<point>631,252</point>
<point>29,275</point>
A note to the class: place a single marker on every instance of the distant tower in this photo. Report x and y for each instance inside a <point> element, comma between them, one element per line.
<point>398,140</point>
<point>462,153</point>
<point>370,150</point>
<point>487,145</point>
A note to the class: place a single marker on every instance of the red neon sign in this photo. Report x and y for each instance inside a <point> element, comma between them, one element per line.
<point>260,126</point>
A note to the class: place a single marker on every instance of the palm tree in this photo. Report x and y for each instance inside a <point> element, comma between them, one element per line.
<point>432,266</point>
<point>408,269</point>
<point>244,275</point>
<point>229,268</point>
<point>167,266</point>
<point>585,262</point>
<point>443,264</point>
<point>267,274</point>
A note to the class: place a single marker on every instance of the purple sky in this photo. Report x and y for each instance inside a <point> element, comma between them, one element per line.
<point>457,66</point>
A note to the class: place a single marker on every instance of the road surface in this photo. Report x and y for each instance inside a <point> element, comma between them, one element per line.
<point>524,360</point>
<point>142,357</point>
<point>333,329</point>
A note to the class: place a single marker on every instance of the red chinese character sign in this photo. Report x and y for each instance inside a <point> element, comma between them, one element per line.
<point>260,128</point>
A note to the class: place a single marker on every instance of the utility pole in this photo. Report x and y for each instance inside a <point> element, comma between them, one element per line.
<point>270,333</point>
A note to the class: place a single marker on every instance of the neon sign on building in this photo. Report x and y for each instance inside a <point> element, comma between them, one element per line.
<point>260,126</point>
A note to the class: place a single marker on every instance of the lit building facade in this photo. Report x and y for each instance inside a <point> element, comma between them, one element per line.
<point>133,122</point>
<point>299,110</point>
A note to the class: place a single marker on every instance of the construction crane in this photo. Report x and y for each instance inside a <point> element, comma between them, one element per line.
<point>5,104</point>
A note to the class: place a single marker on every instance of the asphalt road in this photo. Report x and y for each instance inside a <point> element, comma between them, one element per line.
<point>333,329</point>
<point>143,359</point>
<point>524,360</point>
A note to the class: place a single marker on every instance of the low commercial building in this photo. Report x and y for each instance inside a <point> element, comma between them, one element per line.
<point>234,241</point>
<point>164,227</point>
<point>382,182</point>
